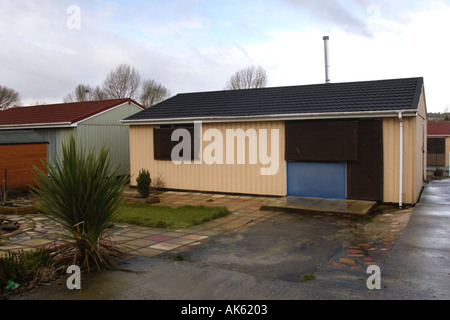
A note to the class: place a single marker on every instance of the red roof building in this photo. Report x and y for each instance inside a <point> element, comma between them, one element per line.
<point>439,128</point>
<point>438,143</point>
<point>57,115</point>
<point>93,124</point>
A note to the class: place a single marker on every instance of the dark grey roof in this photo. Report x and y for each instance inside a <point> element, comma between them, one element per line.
<point>20,137</point>
<point>367,96</point>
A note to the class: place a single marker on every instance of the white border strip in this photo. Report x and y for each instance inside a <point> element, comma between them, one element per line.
<point>279,117</point>
<point>75,124</point>
<point>35,126</point>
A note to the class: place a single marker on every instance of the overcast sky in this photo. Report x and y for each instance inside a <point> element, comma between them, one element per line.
<point>49,46</point>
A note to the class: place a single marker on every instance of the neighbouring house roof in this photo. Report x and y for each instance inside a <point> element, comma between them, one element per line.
<point>439,128</point>
<point>371,98</point>
<point>57,115</point>
<point>20,137</point>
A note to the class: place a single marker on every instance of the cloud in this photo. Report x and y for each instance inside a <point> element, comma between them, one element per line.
<point>195,46</point>
<point>44,59</point>
<point>332,13</point>
<point>414,47</point>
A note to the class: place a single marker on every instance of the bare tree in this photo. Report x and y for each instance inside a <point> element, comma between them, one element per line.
<point>85,93</point>
<point>8,98</point>
<point>248,78</point>
<point>81,93</point>
<point>152,93</point>
<point>99,94</point>
<point>122,82</point>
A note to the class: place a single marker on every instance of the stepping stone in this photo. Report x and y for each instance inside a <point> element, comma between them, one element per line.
<point>347,261</point>
<point>194,237</point>
<point>364,245</point>
<point>339,265</point>
<point>158,238</point>
<point>165,246</point>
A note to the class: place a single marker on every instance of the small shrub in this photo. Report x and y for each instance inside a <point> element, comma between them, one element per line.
<point>158,183</point>
<point>178,257</point>
<point>307,277</point>
<point>143,183</point>
<point>161,224</point>
<point>24,266</point>
<point>438,173</point>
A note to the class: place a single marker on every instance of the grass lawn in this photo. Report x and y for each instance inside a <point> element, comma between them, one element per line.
<point>167,217</point>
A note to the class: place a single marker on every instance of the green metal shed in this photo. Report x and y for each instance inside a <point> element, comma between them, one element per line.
<point>94,124</point>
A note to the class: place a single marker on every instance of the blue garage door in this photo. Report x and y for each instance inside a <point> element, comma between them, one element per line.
<point>317,179</point>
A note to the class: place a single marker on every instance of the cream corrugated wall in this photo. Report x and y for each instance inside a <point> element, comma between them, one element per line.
<point>391,145</point>
<point>413,159</point>
<point>423,136</point>
<point>414,155</point>
<point>229,178</point>
<point>447,150</point>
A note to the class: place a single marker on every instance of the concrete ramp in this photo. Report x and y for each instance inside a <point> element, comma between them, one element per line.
<point>316,205</point>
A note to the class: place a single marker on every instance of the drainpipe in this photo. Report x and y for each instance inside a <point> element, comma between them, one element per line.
<point>400,182</point>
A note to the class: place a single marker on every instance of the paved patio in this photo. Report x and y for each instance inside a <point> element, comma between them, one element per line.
<point>38,231</point>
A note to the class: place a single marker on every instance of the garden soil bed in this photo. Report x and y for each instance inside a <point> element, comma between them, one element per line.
<point>132,196</point>
<point>18,207</point>
<point>149,200</point>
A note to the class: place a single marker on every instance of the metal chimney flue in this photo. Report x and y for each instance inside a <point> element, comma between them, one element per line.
<point>327,59</point>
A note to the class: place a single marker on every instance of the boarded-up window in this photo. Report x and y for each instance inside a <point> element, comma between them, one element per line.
<point>365,176</point>
<point>436,151</point>
<point>436,145</point>
<point>322,141</point>
<point>163,144</point>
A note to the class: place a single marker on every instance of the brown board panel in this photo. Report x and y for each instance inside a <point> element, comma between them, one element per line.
<point>436,159</point>
<point>365,176</point>
<point>18,160</point>
<point>322,141</point>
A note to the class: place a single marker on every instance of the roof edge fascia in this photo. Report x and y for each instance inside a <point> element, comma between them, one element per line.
<point>75,124</point>
<point>284,117</point>
<point>35,126</point>
<point>433,135</point>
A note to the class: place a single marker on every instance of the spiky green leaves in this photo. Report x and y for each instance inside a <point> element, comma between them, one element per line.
<point>82,191</point>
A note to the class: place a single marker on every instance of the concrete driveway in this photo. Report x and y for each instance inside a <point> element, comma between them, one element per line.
<point>419,266</point>
<point>267,261</point>
<point>264,261</point>
<point>284,247</point>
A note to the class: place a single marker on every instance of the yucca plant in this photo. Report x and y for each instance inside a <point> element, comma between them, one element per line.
<point>82,192</point>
